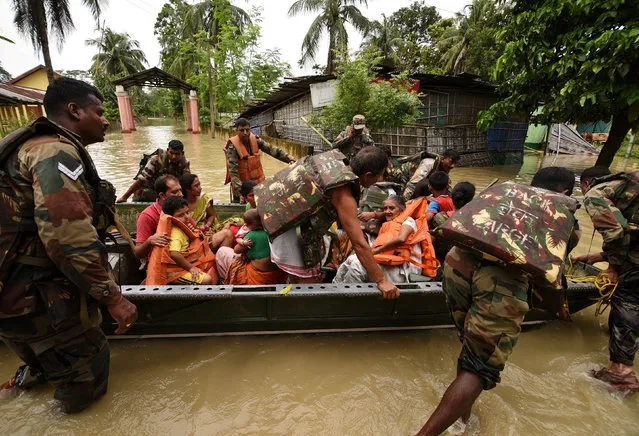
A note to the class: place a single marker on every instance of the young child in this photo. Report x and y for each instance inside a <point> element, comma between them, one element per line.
<point>180,242</point>
<point>438,184</point>
<point>463,193</point>
<point>246,193</point>
<point>254,266</point>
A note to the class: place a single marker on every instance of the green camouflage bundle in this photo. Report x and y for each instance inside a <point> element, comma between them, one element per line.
<point>519,226</point>
<point>297,192</point>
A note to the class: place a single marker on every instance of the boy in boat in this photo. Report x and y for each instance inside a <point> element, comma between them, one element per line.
<point>439,185</point>
<point>178,208</point>
<point>487,302</point>
<point>251,258</point>
<point>246,193</point>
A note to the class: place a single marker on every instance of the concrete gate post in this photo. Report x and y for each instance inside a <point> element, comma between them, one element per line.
<point>187,113</point>
<point>195,119</point>
<point>122,108</point>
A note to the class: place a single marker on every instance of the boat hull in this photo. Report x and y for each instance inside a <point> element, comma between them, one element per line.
<point>173,311</point>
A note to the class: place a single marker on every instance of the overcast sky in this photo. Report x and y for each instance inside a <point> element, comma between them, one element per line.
<point>137,18</point>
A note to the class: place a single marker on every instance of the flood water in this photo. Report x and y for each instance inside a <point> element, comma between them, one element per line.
<point>333,384</point>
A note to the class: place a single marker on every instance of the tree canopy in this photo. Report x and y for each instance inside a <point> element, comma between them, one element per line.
<point>36,18</point>
<point>332,18</point>
<point>384,103</point>
<point>578,58</point>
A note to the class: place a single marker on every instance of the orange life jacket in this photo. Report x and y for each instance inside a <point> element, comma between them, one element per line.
<point>399,255</point>
<point>249,165</point>
<point>162,269</point>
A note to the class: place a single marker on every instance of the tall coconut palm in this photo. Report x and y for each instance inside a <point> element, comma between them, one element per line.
<point>33,18</point>
<point>209,16</point>
<point>334,14</point>
<point>457,40</point>
<point>118,54</point>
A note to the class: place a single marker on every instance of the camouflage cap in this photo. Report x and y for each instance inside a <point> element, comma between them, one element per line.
<point>359,122</point>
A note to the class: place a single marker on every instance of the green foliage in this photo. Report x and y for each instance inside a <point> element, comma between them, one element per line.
<point>333,16</point>
<point>15,123</point>
<point>384,104</point>
<point>472,45</point>
<point>578,57</point>
<point>584,71</point>
<point>220,40</point>
<point>118,55</point>
<point>36,18</point>
<point>4,74</point>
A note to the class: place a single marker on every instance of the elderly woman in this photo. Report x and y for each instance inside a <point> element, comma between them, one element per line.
<point>351,271</point>
<point>200,205</point>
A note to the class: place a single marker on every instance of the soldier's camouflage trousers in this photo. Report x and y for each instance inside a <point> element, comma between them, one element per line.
<point>72,357</point>
<point>624,317</point>
<point>487,304</point>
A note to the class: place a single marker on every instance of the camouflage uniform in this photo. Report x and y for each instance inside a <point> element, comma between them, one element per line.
<point>157,166</point>
<point>487,304</point>
<point>51,257</point>
<point>621,245</point>
<point>423,171</point>
<point>350,146</point>
<point>233,163</point>
<point>298,200</point>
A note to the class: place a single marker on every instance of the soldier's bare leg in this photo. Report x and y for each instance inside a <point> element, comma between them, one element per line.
<point>457,401</point>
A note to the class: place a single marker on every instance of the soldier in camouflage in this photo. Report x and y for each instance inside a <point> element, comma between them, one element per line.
<point>354,138</point>
<point>163,162</point>
<point>243,160</point>
<point>487,302</point>
<point>446,162</point>
<point>612,203</point>
<point>53,266</point>
<point>299,204</point>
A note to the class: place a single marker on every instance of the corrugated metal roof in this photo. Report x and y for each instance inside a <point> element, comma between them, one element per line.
<point>11,94</point>
<point>155,78</point>
<point>290,88</point>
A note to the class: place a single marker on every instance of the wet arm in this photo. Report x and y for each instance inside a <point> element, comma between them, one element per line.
<point>234,168</point>
<point>64,216</point>
<point>274,151</point>
<point>211,214</point>
<point>346,206</point>
<point>343,140</point>
<point>135,186</point>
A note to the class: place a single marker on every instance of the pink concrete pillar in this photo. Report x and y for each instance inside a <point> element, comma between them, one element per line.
<point>187,114</point>
<point>122,108</point>
<point>195,119</point>
<point>130,110</point>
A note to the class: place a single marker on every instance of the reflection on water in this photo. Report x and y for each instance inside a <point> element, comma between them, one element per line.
<point>372,383</point>
<point>118,158</point>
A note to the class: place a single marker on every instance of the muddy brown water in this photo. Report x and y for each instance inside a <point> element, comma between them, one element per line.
<point>333,384</point>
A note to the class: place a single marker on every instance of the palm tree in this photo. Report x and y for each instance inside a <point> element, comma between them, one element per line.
<point>118,54</point>
<point>457,40</point>
<point>334,14</point>
<point>210,16</point>
<point>383,39</point>
<point>33,18</point>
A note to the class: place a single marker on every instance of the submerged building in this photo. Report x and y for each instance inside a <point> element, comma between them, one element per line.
<point>449,116</point>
